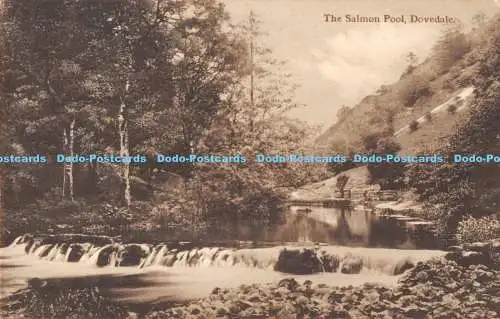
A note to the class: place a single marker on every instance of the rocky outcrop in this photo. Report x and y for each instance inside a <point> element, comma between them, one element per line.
<point>131,255</point>
<point>480,253</point>
<point>438,288</point>
<point>306,261</point>
<point>299,262</point>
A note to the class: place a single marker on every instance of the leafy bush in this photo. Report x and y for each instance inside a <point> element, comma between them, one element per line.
<point>414,89</point>
<point>452,108</point>
<point>413,126</point>
<point>428,116</point>
<point>479,229</point>
<point>54,300</point>
<point>387,175</point>
<point>450,48</point>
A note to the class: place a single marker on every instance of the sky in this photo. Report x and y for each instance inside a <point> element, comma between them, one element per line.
<point>338,64</point>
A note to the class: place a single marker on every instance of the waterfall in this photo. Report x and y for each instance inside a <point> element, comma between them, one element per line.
<point>52,253</point>
<point>379,260</point>
<point>155,258</point>
<point>42,250</point>
<point>17,241</point>
<point>94,256</point>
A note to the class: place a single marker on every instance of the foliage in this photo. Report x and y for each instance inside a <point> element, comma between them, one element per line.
<point>428,116</point>
<point>387,175</point>
<point>452,108</point>
<point>343,113</point>
<point>415,87</point>
<point>412,60</point>
<point>341,183</point>
<point>182,71</point>
<point>482,229</point>
<point>413,126</point>
<point>47,300</point>
<point>469,189</point>
<point>450,48</point>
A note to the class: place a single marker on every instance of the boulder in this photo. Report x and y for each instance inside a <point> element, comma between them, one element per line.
<point>351,265</point>
<point>131,255</point>
<point>104,258</point>
<point>298,262</point>
<point>403,266</point>
<point>473,258</point>
<point>76,253</point>
<point>494,254</point>
<point>478,247</point>
<point>455,248</point>
<point>289,283</point>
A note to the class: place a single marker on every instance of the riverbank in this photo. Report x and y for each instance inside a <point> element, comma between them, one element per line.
<point>279,282</point>
<point>465,283</point>
<point>438,288</point>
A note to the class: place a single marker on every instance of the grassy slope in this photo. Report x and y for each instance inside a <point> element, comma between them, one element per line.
<point>358,179</point>
<point>368,116</point>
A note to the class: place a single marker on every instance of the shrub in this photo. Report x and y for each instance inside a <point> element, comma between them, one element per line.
<point>341,184</point>
<point>387,175</point>
<point>478,229</point>
<point>450,48</point>
<point>428,116</point>
<point>452,108</point>
<point>58,300</point>
<point>413,126</point>
<point>413,90</point>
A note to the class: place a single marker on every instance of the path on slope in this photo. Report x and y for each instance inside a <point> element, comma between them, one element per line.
<point>462,96</point>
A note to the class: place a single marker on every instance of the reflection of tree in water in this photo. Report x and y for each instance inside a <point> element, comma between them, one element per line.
<point>343,230</point>
<point>303,227</point>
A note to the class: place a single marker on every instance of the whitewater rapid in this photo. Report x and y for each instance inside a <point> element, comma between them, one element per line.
<point>161,273</point>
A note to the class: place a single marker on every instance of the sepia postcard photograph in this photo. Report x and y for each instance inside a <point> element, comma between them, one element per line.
<point>250,159</point>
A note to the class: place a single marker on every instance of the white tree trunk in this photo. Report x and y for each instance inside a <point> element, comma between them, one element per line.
<point>65,147</point>
<point>124,147</point>
<point>68,147</point>
<point>71,153</point>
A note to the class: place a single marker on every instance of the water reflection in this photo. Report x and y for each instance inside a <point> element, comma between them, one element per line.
<point>350,227</point>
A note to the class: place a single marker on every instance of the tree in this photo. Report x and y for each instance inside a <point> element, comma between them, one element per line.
<point>428,116</point>
<point>469,188</point>
<point>343,113</point>
<point>413,126</point>
<point>387,175</point>
<point>450,48</point>
<point>412,60</point>
<point>341,184</point>
<point>414,88</point>
<point>146,77</point>
<point>252,119</point>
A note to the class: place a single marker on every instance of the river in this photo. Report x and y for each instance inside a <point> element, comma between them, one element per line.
<point>143,273</point>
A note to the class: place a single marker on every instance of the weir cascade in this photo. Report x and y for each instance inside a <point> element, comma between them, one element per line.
<point>106,252</point>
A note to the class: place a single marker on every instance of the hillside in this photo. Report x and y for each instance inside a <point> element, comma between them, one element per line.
<point>358,180</point>
<point>446,73</point>
<point>435,126</point>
